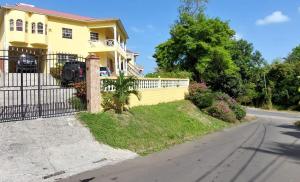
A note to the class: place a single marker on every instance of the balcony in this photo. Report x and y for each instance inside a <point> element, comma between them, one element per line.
<point>107,45</point>
<point>18,37</point>
<point>39,39</point>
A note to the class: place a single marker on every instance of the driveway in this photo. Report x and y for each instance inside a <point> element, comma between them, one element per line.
<point>267,150</point>
<point>49,149</point>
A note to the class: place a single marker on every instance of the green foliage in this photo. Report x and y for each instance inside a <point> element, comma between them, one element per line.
<point>294,56</point>
<point>202,99</point>
<point>197,87</point>
<point>56,72</point>
<point>192,7</point>
<point>173,74</point>
<point>217,104</point>
<point>124,87</point>
<point>78,103</point>
<point>283,77</point>
<point>148,129</point>
<point>107,101</point>
<point>81,90</point>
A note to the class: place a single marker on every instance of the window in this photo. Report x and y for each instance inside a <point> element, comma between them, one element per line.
<point>94,36</point>
<point>40,28</point>
<point>64,58</point>
<point>26,26</point>
<point>33,28</point>
<point>19,25</point>
<point>11,24</point>
<point>67,33</point>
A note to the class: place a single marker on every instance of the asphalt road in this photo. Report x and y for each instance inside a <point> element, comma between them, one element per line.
<point>267,150</point>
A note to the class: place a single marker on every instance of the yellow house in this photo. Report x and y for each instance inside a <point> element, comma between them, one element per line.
<point>26,27</point>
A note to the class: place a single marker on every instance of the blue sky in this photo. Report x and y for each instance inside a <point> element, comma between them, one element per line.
<point>273,26</point>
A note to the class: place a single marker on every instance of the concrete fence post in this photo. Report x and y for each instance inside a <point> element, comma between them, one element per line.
<point>159,82</point>
<point>93,84</point>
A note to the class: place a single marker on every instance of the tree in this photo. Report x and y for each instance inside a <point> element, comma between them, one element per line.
<point>199,45</point>
<point>124,87</point>
<point>192,7</point>
<point>294,56</point>
<point>284,77</point>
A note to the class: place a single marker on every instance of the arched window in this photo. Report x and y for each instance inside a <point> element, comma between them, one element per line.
<point>33,28</point>
<point>11,24</point>
<point>40,28</point>
<point>19,25</point>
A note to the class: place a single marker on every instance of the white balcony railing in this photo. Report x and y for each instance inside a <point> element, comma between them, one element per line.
<point>108,43</point>
<point>153,83</point>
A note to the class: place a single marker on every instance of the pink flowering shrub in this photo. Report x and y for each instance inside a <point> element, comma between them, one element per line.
<point>197,87</point>
<point>221,110</point>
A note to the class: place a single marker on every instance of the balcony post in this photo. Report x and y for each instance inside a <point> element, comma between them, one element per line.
<point>116,63</point>
<point>115,35</point>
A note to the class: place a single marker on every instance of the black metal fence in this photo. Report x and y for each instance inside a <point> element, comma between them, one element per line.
<point>34,83</point>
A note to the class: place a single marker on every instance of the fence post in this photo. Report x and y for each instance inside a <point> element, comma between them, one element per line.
<point>159,82</point>
<point>93,84</point>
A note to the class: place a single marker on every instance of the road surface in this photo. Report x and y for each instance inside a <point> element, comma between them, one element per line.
<point>267,150</point>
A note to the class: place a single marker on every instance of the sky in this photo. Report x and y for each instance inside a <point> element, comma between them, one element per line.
<point>273,26</point>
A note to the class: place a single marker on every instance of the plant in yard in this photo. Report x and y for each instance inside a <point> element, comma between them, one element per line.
<point>221,110</point>
<point>124,87</point>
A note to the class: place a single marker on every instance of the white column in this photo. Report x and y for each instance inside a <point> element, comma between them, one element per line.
<point>116,63</point>
<point>115,35</point>
<point>119,38</point>
<point>126,67</point>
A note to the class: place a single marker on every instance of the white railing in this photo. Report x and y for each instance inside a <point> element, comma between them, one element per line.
<point>107,42</point>
<point>153,83</point>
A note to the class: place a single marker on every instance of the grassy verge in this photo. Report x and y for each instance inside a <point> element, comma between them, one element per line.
<point>148,129</point>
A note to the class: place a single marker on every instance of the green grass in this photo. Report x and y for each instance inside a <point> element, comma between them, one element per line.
<point>148,129</point>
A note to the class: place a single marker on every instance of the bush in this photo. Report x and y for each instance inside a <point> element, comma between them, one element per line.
<point>78,103</point>
<point>297,124</point>
<point>81,90</point>
<point>202,100</point>
<point>56,72</point>
<point>173,74</point>
<point>197,87</point>
<point>107,102</point>
<point>221,110</point>
<point>239,111</point>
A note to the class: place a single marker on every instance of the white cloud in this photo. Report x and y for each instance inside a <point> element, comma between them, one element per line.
<point>137,30</point>
<point>275,17</point>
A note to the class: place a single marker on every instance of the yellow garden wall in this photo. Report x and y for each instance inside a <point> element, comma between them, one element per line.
<point>159,95</point>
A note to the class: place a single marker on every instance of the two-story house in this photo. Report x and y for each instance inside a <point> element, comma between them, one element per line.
<point>25,27</point>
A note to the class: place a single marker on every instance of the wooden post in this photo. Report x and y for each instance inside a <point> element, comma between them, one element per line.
<point>93,84</point>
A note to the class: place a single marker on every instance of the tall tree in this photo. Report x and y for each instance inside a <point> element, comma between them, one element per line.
<point>294,56</point>
<point>192,7</point>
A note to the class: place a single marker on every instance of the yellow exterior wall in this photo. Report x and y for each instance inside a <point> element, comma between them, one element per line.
<point>156,96</point>
<point>79,44</point>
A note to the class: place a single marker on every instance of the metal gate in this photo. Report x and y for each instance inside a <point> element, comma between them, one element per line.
<point>36,84</point>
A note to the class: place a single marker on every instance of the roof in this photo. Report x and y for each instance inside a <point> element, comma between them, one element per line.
<point>33,9</point>
<point>131,52</point>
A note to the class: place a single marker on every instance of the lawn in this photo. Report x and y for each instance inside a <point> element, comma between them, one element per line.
<point>148,129</point>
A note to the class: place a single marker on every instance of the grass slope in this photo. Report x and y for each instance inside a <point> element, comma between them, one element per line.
<point>147,129</point>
